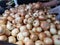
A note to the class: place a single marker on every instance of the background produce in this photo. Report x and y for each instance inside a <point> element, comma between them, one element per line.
<point>29,25</point>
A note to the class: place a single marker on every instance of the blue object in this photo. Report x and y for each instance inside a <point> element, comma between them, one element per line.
<point>58,17</point>
<point>2,10</point>
<point>2,6</point>
<point>3,3</point>
<point>5,43</point>
<point>56,10</point>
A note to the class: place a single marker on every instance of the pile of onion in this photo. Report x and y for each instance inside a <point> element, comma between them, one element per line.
<point>28,25</point>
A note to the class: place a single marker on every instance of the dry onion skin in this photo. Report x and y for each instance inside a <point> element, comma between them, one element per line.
<point>27,24</point>
<point>3,38</point>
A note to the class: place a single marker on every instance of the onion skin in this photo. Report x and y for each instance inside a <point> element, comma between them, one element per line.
<point>42,36</point>
<point>48,41</point>
<point>45,25</point>
<point>33,37</point>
